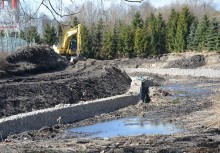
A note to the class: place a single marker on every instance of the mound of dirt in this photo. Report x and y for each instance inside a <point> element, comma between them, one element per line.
<point>139,62</point>
<point>34,60</point>
<point>186,62</point>
<point>25,94</point>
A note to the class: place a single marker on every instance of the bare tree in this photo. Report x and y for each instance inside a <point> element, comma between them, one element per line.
<point>197,7</point>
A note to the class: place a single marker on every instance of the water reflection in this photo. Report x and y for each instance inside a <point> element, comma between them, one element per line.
<point>192,89</point>
<point>124,127</point>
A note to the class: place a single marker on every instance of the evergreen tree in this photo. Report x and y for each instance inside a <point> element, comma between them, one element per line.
<point>30,35</point>
<point>125,41</point>
<point>60,33</point>
<point>183,26</point>
<point>108,40</point>
<point>161,34</point>
<point>50,35</point>
<point>111,42</point>
<point>121,43</point>
<point>171,30</point>
<point>200,35</point>
<point>146,41</point>
<point>191,36</point>
<point>86,43</point>
<point>114,46</point>
<point>138,43</point>
<point>212,34</point>
<point>137,21</point>
<point>217,41</point>
<point>152,34</point>
<point>98,41</point>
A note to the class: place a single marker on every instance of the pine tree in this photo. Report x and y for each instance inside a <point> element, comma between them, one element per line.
<point>108,45</point>
<point>30,35</point>
<point>191,37</point>
<point>201,32</point>
<point>125,41</point>
<point>183,26</point>
<point>161,34</point>
<point>50,35</point>
<point>114,46</point>
<point>98,41</point>
<point>217,41</point>
<point>152,34</point>
<point>138,43</point>
<point>212,33</point>
<point>86,43</point>
<point>171,30</point>
<point>137,21</point>
<point>146,36</point>
<point>121,43</point>
<point>60,33</point>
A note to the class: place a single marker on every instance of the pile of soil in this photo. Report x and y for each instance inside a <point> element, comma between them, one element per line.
<point>25,94</point>
<point>186,62</point>
<point>139,62</point>
<point>34,60</point>
<point>56,81</point>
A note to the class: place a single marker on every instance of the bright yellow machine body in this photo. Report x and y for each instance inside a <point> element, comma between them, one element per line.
<point>71,43</point>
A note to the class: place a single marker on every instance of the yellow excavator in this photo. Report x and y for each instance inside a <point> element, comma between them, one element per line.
<point>71,44</point>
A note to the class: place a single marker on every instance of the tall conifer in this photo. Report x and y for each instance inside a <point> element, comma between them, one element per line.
<point>183,26</point>
<point>171,30</point>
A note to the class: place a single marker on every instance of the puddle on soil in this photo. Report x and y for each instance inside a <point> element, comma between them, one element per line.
<point>124,127</point>
<point>188,90</point>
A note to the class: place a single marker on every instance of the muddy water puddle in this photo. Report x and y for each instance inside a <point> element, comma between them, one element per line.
<point>191,89</point>
<point>124,127</point>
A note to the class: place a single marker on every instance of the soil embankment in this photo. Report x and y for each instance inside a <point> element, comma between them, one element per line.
<point>71,84</point>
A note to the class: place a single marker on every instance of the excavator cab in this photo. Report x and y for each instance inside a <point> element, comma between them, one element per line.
<point>73,44</point>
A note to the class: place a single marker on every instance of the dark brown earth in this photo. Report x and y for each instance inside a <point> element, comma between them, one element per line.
<point>29,89</point>
<point>91,79</point>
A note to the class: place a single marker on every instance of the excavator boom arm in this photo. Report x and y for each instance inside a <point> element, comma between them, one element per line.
<point>65,49</point>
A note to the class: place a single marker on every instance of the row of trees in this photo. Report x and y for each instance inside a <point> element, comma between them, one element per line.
<point>153,35</point>
<point>31,35</point>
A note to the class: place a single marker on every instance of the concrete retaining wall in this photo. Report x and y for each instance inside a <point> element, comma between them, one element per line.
<point>67,114</point>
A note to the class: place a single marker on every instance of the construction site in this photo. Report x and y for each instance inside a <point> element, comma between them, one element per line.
<point>55,100</point>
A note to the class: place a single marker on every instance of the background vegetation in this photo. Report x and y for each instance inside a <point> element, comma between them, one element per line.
<point>141,31</point>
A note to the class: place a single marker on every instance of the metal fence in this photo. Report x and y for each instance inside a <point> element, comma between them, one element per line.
<point>10,44</point>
